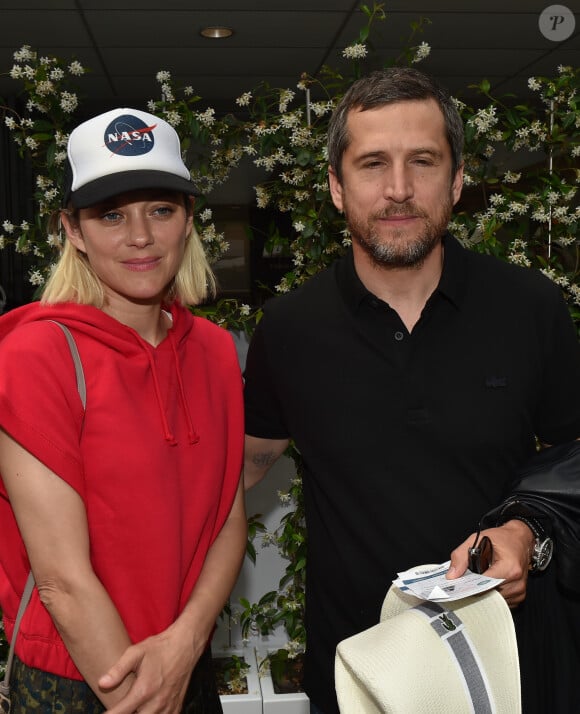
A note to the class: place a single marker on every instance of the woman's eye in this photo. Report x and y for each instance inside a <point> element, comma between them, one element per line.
<point>164,210</point>
<point>111,216</point>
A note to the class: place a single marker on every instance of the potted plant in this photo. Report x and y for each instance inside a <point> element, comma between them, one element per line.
<point>238,682</point>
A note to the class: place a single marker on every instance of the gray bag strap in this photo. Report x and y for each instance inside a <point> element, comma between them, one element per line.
<point>29,587</point>
<point>81,386</point>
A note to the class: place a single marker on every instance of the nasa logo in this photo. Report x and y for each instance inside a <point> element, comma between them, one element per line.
<point>128,135</point>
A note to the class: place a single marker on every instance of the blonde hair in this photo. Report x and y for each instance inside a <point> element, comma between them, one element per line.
<point>73,279</point>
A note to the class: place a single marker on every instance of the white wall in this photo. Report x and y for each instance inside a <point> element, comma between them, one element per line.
<point>256,580</point>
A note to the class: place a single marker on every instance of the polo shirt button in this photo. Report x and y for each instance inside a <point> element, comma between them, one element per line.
<point>399,336</point>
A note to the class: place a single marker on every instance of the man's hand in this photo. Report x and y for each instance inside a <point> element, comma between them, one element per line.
<point>512,547</point>
<point>161,667</point>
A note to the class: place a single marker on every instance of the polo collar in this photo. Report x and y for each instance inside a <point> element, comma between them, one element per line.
<point>452,283</point>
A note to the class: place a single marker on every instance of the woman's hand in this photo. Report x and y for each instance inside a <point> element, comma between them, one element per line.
<point>161,667</point>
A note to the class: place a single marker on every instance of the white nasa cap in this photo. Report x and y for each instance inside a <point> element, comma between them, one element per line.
<point>123,150</point>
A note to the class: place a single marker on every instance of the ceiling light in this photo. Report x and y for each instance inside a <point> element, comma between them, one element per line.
<point>217,32</point>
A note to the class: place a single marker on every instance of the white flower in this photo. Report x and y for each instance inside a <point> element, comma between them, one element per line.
<point>56,74</point>
<point>284,497</point>
<point>208,117</point>
<point>245,99</point>
<point>421,52</point>
<point>31,143</point>
<point>61,138</point>
<point>356,51</point>
<point>244,309</point>
<point>262,196</point>
<point>53,240</point>
<point>167,93</point>
<point>298,226</point>
<point>68,102</point>
<point>76,68</point>
<point>36,278</point>
<point>163,76</point>
<point>10,122</point>
<point>174,118</point>
<point>188,91</point>
<point>24,53</point>
<point>286,96</point>
<point>533,84</point>
<point>459,105</point>
<point>484,119</point>
<point>205,215</point>
<point>24,226</point>
<point>44,87</point>
<point>8,227</point>
<point>511,177</point>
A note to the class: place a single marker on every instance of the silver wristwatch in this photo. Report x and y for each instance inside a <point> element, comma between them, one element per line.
<point>541,554</point>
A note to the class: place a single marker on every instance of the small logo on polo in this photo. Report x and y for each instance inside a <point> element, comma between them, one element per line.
<point>127,135</point>
<point>496,382</point>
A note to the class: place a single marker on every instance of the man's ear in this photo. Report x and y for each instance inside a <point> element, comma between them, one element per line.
<point>457,184</point>
<point>335,188</point>
<point>72,229</point>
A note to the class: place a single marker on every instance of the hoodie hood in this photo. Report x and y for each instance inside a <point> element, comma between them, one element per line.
<point>90,324</point>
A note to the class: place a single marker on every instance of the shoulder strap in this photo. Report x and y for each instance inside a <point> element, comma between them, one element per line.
<point>29,587</point>
<point>81,386</point>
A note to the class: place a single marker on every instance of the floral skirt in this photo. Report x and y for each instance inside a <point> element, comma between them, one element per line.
<point>38,692</point>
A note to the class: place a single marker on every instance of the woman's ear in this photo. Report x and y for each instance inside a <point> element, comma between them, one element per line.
<point>72,229</point>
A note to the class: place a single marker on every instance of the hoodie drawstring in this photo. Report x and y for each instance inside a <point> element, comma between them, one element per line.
<point>192,435</point>
<point>167,431</point>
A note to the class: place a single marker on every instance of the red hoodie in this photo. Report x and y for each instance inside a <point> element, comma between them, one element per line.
<point>156,457</point>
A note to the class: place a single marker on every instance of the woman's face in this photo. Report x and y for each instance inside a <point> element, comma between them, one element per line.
<point>134,242</point>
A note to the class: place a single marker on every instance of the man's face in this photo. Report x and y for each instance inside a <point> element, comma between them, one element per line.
<point>397,189</point>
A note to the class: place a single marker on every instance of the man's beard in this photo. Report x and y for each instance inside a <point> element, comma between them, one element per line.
<point>399,249</point>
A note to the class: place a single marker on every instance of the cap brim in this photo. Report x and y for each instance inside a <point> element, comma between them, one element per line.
<point>115,184</point>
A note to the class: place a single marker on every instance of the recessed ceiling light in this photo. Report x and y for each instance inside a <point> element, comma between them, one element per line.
<point>217,32</point>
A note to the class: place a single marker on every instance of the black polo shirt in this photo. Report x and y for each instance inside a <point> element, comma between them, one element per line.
<point>407,438</point>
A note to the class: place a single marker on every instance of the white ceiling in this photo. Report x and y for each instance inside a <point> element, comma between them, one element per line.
<point>126,42</point>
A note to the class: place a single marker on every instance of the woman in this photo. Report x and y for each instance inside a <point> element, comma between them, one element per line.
<point>129,512</point>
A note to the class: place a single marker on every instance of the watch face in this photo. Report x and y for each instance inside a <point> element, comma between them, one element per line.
<point>543,553</point>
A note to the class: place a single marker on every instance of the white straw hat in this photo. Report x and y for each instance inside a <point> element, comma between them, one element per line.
<point>123,150</point>
<point>432,658</point>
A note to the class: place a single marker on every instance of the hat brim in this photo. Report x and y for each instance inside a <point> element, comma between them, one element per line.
<point>108,186</point>
<point>402,665</point>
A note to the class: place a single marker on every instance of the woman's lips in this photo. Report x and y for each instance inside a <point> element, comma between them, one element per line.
<point>141,264</point>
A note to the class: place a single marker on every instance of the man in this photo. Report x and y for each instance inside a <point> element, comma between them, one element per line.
<point>413,376</point>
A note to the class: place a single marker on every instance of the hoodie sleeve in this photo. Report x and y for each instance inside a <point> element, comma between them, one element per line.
<point>39,402</point>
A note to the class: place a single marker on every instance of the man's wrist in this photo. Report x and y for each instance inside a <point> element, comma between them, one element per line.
<point>542,547</point>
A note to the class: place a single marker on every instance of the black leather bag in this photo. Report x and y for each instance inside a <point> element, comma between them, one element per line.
<point>548,488</point>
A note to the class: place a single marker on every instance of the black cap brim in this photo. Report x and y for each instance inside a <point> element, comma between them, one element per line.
<point>108,186</point>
